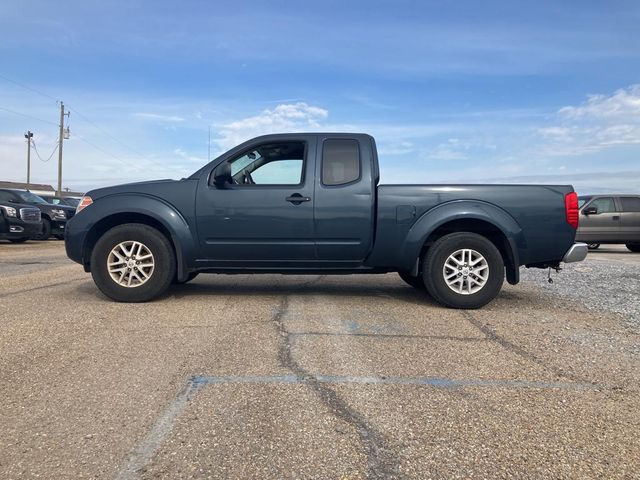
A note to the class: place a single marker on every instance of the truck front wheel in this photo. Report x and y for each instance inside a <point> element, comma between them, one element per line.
<point>133,263</point>
<point>463,270</point>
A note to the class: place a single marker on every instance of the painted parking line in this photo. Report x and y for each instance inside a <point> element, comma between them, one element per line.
<point>143,453</point>
<point>425,381</point>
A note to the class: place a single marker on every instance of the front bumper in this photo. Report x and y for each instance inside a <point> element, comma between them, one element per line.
<point>58,226</point>
<point>576,253</point>
<point>16,228</point>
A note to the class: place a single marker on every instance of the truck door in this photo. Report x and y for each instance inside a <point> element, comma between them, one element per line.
<point>600,221</point>
<point>265,212</point>
<point>344,199</point>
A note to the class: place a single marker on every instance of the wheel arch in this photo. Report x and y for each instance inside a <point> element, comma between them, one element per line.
<point>122,209</point>
<point>467,216</point>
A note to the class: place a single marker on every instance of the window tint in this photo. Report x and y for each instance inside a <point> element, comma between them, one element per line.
<point>340,161</point>
<point>604,205</point>
<point>280,172</point>
<point>6,196</point>
<point>630,204</point>
<point>29,197</point>
<point>272,164</point>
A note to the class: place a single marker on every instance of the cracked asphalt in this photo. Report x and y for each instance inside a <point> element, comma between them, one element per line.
<point>342,377</point>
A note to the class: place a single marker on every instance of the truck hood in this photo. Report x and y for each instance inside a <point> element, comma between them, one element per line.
<point>153,187</point>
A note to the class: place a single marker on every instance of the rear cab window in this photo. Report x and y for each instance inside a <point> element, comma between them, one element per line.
<point>340,161</point>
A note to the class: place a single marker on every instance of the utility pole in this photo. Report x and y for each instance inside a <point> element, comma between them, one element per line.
<point>28,136</point>
<point>60,140</point>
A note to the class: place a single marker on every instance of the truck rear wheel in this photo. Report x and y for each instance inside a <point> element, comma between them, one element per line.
<point>133,263</point>
<point>634,247</point>
<point>463,270</point>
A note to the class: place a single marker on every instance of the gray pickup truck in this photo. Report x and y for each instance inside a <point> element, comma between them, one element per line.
<point>311,203</point>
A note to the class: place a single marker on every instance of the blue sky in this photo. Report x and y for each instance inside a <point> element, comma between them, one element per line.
<point>459,91</point>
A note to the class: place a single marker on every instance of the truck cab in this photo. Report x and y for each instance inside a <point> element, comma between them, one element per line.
<point>289,201</point>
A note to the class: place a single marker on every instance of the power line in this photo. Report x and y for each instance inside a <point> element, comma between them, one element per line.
<point>106,132</point>
<point>28,88</point>
<point>28,116</point>
<point>75,111</point>
<point>100,149</point>
<point>33,143</point>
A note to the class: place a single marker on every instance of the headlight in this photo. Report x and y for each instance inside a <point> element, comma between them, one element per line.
<point>9,211</point>
<point>58,213</point>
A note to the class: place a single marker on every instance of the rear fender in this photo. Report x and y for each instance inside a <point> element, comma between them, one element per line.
<point>444,213</point>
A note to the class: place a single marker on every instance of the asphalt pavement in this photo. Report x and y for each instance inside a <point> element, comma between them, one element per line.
<point>345,377</point>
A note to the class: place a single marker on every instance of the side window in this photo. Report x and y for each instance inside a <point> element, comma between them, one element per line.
<point>271,164</point>
<point>6,196</point>
<point>340,161</point>
<point>604,205</point>
<point>630,204</point>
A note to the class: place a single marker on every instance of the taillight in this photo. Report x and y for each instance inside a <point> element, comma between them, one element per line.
<point>571,208</point>
<point>85,202</point>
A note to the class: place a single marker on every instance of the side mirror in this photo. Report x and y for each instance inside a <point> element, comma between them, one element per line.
<point>590,211</point>
<point>222,175</point>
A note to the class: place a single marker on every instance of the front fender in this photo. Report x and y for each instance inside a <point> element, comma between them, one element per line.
<point>80,226</point>
<point>462,210</point>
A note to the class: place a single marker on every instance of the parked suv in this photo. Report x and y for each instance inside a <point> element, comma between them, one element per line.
<point>54,217</point>
<point>19,222</point>
<point>610,218</point>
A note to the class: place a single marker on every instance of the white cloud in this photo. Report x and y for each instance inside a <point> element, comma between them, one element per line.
<point>158,117</point>
<point>603,121</point>
<point>622,104</point>
<point>286,117</point>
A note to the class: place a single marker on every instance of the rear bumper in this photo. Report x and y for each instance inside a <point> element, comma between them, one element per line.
<point>576,253</point>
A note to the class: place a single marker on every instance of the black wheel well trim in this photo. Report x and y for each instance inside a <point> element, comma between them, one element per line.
<point>505,245</point>
<point>107,222</point>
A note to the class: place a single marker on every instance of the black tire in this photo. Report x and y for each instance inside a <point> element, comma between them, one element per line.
<point>59,237</point>
<point>190,277</point>
<point>437,255</point>
<point>634,247</point>
<point>593,246</point>
<point>163,272</point>
<point>19,240</point>
<point>415,282</point>
<point>46,230</point>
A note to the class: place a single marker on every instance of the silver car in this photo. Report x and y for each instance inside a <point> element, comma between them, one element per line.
<point>610,218</point>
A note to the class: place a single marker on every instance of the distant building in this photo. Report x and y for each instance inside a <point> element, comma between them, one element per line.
<point>39,189</point>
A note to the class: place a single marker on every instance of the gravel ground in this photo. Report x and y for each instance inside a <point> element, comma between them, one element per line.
<point>599,283</point>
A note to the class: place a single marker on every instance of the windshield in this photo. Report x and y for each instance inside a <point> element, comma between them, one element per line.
<point>29,197</point>
<point>72,202</point>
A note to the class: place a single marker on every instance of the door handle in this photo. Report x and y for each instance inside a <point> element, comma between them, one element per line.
<point>615,217</point>
<point>297,199</point>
